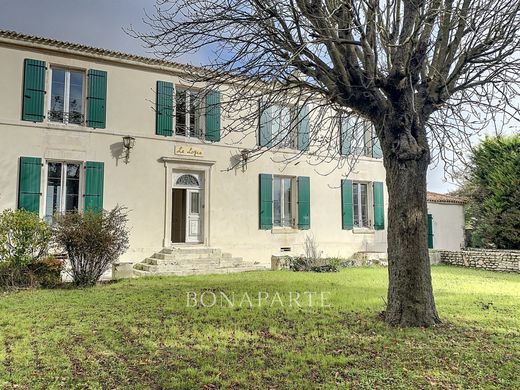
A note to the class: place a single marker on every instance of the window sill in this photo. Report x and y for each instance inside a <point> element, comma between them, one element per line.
<point>276,149</point>
<point>64,126</point>
<point>185,139</point>
<point>282,230</point>
<point>363,231</point>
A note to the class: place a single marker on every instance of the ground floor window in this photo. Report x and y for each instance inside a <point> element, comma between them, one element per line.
<point>62,185</point>
<point>283,202</point>
<point>360,204</point>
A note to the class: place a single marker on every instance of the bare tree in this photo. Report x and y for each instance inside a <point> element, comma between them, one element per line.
<point>425,74</point>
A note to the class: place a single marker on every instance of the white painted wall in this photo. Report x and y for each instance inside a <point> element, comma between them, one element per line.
<point>142,184</point>
<point>448,225</point>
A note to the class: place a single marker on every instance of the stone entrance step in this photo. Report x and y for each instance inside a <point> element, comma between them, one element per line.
<point>197,260</point>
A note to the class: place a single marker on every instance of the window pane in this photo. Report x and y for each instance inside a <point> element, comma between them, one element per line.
<point>53,198</point>
<point>72,187</point>
<point>359,142</point>
<point>281,126</point>
<point>180,113</point>
<point>76,98</point>
<point>355,202</point>
<point>287,204</point>
<point>364,205</point>
<point>57,95</point>
<point>286,122</point>
<point>277,202</point>
<point>194,203</point>
<point>194,115</point>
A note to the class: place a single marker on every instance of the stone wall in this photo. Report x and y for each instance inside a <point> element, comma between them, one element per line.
<point>493,260</point>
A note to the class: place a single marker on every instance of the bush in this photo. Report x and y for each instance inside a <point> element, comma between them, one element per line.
<point>12,277</point>
<point>93,241</point>
<point>24,238</point>
<point>311,260</point>
<point>47,271</point>
<point>305,264</point>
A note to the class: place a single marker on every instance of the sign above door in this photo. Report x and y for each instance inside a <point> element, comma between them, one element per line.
<point>182,150</point>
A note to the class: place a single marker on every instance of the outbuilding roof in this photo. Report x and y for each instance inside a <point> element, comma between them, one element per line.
<point>435,197</point>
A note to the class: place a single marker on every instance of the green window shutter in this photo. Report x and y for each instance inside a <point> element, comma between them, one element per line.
<point>379,206</point>
<point>29,183</point>
<point>304,203</point>
<point>376,146</point>
<point>164,108</point>
<point>345,136</point>
<point>303,128</point>
<point>94,179</point>
<point>265,135</point>
<point>97,99</point>
<point>33,90</point>
<point>213,116</point>
<point>347,210</point>
<point>266,201</point>
<point>430,231</point>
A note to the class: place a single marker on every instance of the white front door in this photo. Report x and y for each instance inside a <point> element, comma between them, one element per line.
<point>193,215</point>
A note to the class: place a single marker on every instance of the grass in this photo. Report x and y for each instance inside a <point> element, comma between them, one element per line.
<point>140,334</point>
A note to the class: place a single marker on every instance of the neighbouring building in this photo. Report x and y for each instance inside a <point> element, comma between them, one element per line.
<point>446,227</point>
<point>69,110</point>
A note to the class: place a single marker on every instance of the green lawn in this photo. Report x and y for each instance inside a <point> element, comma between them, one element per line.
<point>140,334</point>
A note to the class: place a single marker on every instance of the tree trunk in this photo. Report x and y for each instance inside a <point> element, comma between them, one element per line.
<point>410,292</point>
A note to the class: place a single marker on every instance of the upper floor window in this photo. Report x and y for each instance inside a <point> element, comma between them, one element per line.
<point>357,137</point>
<point>361,140</point>
<point>283,127</point>
<point>278,126</point>
<point>187,114</point>
<point>67,97</point>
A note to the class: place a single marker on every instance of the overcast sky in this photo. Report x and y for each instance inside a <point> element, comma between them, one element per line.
<point>99,23</point>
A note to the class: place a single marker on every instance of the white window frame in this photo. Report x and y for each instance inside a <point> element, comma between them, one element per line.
<point>369,202</point>
<point>282,203</point>
<point>292,131</point>
<point>63,190</point>
<point>362,142</point>
<point>66,95</point>
<point>202,113</point>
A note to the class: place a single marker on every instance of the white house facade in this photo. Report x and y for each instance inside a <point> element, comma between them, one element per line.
<point>69,114</point>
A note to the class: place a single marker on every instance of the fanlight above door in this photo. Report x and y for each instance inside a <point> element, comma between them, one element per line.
<point>188,180</point>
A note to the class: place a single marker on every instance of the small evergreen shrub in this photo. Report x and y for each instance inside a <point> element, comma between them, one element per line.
<point>93,241</point>
<point>24,238</point>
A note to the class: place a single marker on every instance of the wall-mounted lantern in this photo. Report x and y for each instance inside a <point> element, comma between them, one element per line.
<point>244,156</point>
<point>128,144</point>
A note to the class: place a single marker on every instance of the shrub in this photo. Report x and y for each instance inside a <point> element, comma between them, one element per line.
<point>15,277</point>
<point>24,238</point>
<point>93,241</point>
<point>311,248</point>
<point>312,260</point>
<point>47,271</point>
<point>305,264</point>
